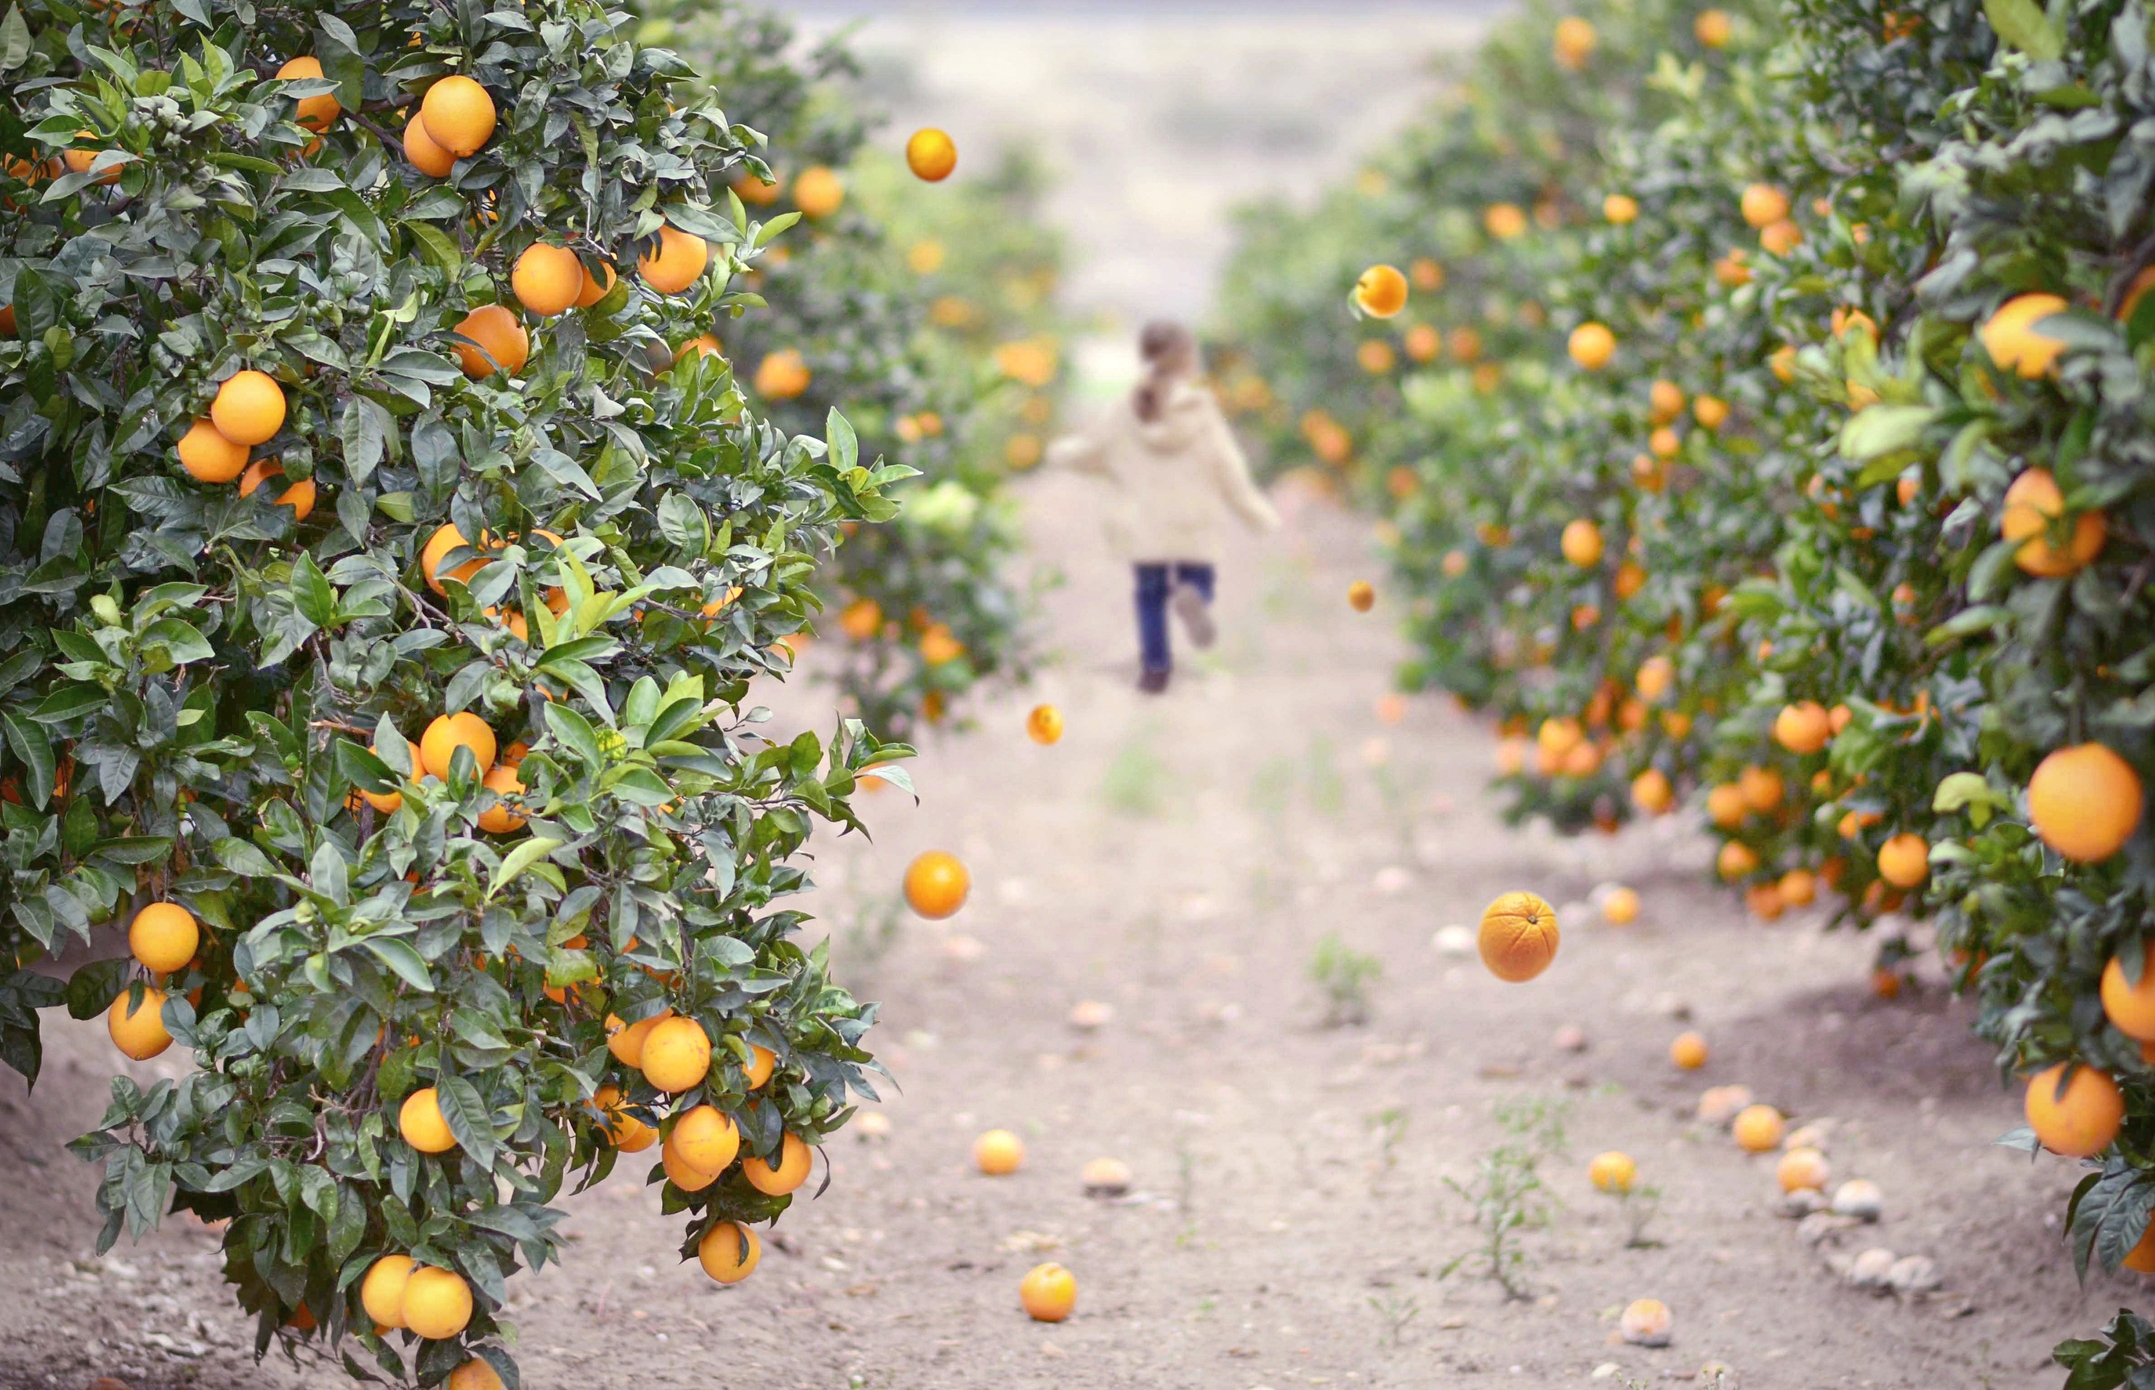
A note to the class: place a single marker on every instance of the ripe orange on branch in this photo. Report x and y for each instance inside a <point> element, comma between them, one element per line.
<point>2085,802</point>
<point>459,115</point>
<point>676,262</point>
<point>2078,1118</point>
<point>249,408</point>
<point>547,279</point>
<point>138,1031</point>
<point>164,937</point>
<point>1381,292</point>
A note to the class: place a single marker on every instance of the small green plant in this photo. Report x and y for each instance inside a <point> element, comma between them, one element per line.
<point>1397,1310</point>
<point>1505,1193</point>
<point>1327,789</point>
<point>1343,976</point>
<point>871,933</point>
<point>1390,1126</point>
<point>1639,1206</point>
<point>1137,779</point>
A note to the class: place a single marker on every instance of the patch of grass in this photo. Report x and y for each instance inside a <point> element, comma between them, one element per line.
<point>1506,1193</point>
<point>1137,779</point>
<point>1343,976</point>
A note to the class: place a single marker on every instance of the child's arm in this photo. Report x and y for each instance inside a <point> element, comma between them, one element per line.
<point>1231,475</point>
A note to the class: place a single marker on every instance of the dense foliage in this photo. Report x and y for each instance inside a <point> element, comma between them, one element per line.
<point>1809,471</point>
<point>436,719</point>
<point>904,303</point>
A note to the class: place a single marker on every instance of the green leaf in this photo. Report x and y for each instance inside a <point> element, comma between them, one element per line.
<point>467,1118</point>
<point>519,860</point>
<point>2024,26</point>
<point>401,958</point>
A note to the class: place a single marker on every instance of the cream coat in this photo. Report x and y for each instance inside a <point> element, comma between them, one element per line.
<point>1173,477</point>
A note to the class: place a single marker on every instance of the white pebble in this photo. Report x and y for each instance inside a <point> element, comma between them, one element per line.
<point>1859,1198</point>
<point>1913,1274</point>
<point>1455,941</point>
<point>1872,1269</point>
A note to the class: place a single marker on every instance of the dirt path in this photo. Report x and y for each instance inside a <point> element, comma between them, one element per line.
<point>1178,859</point>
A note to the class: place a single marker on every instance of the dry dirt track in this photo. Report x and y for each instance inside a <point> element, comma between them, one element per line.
<point>1178,859</point>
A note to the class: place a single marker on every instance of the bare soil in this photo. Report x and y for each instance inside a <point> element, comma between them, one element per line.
<point>1178,859</point>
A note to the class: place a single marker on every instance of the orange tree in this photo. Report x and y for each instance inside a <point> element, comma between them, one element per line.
<point>867,301</point>
<point>1833,511</point>
<point>386,593</point>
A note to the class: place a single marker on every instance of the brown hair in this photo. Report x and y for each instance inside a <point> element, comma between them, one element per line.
<point>1170,351</point>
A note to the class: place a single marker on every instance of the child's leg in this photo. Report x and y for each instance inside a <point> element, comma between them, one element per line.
<point>1154,655</point>
<point>1193,599</point>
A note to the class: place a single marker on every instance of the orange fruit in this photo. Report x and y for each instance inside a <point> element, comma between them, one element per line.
<point>594,288</point>
<point>437,1303</point>
<point>931,154</point>
<point>1518,937</point>
<point>1763,900</point>
<point>449,732</point>
<point>497,342</point>
<point>1422,343</point>
<point>626,1040</point>
<point>1904,860</point>
<point>299,496</point>
<point>1803,727</point>
<point>1612,1172</point>
<point>1573,42</point>
<point>1651,792</point>
<point>628,1133</point>
<point>1688,1052</point>
<point>1376,357</point>
<point>676,1054</point>
<point>2129,1007</point>
<point>1762,788</point>
<point>818,192</point>
<point>208,456</point>
<point>445,539</point>
<point>1620,209</point>
<point>1048,1292</point>
<point>1361,596</point>
<point>420,1121</point>
<point>998,1153</point>
<point>1757,1128</point>
<point>1736,860</point>
<point>783,375</point>
<point>1711,28</point>
<point>703,345</point>
<point>761,1063</point>
<point>2141,1258</point>
<point>547,279</point>
<point>936,885</point>
<point>1763,205</point>
<point>139,1032</point>
<point>1726,805</point>
<point>1044,724</point>
<point>794,1161</point>
<point>315,113</point>
<point>425,156</point>
<point>1799,888</point>
<point>499,819</point>
<point>249,408</point>
<point>2010,338</point>
<point>1710,411</point>
<point>381,1292</point>
<point>1656,675</point>
<point>2078,1120</point>
<point>1803,1169</point>
<point>705,1139</point>
<point>1582,543</point>
<point>1559,736</point>
<point>1621,907</point>
<point>474,1374</point>
<point>676,262</point>
<point>1381,291</point>
<point>1665,443</point>
<point>164,937</point>
<point>729,1252</point>
<point>1591,346</point>
<point>1665,401</point>
<point>2085,802</point>
<point>459,115</point>
<point>2031,504</point>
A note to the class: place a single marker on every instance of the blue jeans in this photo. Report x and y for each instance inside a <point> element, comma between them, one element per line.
<point>1154,584</point>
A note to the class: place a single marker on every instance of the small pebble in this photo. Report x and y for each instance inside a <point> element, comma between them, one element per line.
<point>1454,941</point>
<point>1872,1269</point>
<point>1913,1274</point>
<point>1860,1198</point>
<point>1570,1038</point>
<point>1106,1177</point>
<point>1671,1006</point>
<point>872,1124</point>
<point>1089,1014</point>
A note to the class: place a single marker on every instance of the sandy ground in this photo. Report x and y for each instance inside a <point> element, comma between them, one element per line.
<point>1179,859</point>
